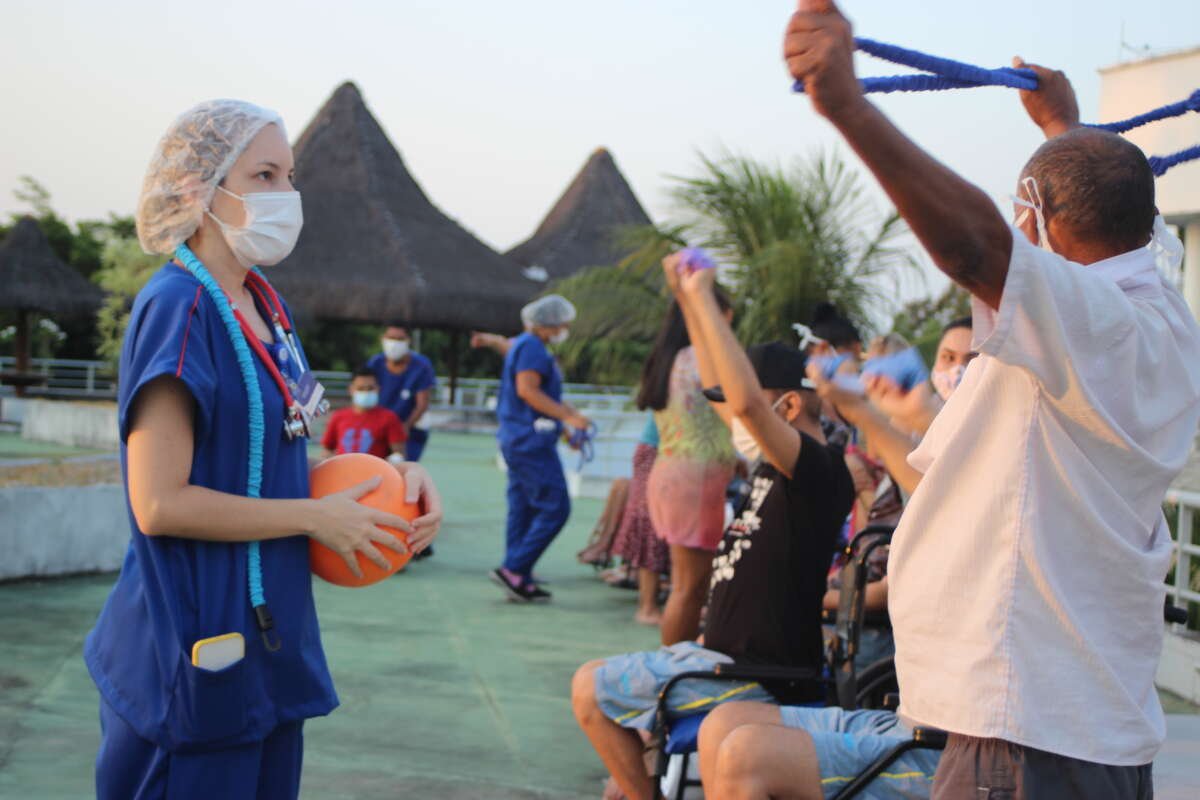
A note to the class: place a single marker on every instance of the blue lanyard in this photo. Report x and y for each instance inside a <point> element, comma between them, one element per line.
<point>257,428</point>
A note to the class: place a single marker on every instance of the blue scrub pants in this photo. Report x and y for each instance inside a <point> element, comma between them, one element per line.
<point>129,767</point>
<point>538,504</point>
<point>415,446</point>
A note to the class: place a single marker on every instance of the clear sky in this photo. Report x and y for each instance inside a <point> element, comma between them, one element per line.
<point>494,106</point>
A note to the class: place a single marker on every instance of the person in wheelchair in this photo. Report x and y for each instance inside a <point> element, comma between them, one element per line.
<point>769,571</point>
<point>889,421</point>
<point>833,744</point>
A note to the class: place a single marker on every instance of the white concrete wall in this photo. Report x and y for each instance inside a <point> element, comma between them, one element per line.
<point>1127,90</point>
<point>76,424</point>
<point>1137,87</point>
<point>62,530</point>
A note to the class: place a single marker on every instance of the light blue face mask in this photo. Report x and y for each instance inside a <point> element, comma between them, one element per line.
<point>365,399</point>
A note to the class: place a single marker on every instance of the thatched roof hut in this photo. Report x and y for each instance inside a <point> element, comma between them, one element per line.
<point>33,278</point>
<point>374,247</point>
<point>581,229</point>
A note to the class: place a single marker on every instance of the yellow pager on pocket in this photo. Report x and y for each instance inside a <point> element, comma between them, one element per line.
<point>218,652</point>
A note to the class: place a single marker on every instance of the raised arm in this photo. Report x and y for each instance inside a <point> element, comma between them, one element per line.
<point>956,223</point>
<point>744,397</point>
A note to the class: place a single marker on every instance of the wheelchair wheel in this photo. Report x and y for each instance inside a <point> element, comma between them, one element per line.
<point>876,682</point>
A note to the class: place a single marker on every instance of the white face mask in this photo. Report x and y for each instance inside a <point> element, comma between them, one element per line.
<point>559,337</point>
<point>1031,189</point>
<point>273,223</point>
<point>744,442</point>
<point>365,399</point>
<point>945,381</point>
<point>395,349</point>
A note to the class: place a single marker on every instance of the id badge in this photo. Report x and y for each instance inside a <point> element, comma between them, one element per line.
<point>309,393</point>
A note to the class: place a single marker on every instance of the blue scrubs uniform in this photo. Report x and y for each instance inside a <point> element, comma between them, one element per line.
<point>538,504</point>
<point>157,709</point>
<point>399,393</point>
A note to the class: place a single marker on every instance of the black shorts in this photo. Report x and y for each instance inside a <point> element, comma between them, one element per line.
<point>993,769</point>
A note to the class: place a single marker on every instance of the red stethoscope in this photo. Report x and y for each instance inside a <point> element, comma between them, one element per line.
<point>295,422</point>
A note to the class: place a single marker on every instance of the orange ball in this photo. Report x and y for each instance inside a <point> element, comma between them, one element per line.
<point>340,473</point>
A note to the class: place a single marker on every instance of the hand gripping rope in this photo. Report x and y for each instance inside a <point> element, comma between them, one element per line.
<point>945,73</point>
<point>257,426</point>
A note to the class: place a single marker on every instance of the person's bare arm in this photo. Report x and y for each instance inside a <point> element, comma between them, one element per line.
<point>744,398</point>
<point>875,599</point>
<point>529,389</point>
<point>885,443</point>
<point>164,503</point>
<point>704,363</point>
<point>491,341</point>
<point>956,223</point>
<point>420,406</point>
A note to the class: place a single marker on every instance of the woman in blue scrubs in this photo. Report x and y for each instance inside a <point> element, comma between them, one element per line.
<point>214,399</point>
<point>531,415</point>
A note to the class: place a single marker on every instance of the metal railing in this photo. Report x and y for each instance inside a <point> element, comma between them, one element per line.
<point>66,377</point>
<point>77,379</point>
<point>1187,551</point>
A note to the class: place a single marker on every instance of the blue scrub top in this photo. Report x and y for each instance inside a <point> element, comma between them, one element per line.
<point>399,392</point>
<point>172,592</point>
<point>526,353</point>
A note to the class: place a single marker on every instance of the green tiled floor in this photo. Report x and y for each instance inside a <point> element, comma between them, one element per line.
<point>447,691</point>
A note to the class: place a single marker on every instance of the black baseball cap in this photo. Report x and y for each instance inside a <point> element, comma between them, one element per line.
<point>778,366</point>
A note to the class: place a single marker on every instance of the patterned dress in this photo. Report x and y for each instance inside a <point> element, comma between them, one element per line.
<point>686,490</point>
<point>636,543</point>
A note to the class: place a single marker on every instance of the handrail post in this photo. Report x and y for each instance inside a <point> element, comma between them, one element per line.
<point>1183,558</point>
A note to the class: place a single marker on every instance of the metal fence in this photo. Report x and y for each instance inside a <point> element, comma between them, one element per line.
<point>1185,588</point>
<point>67,377</point>
<point>96,380</point>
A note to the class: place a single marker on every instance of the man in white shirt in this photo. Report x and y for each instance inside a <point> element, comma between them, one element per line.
<point>1027,571</point>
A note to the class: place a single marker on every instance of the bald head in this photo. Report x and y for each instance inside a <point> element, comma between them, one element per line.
<point>1097,188</point>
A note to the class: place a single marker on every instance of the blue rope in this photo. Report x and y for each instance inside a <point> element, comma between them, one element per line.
<point>1160,164</point>
<point>584,440</point>
<point>1166,112</point>
<point>967,74</point>
<point>254,402</point>
<point>945,73</point>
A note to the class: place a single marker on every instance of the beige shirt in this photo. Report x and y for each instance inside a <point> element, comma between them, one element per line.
<point>1027,571</point>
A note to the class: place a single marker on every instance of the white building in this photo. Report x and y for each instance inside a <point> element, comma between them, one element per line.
<point>1136,87</point>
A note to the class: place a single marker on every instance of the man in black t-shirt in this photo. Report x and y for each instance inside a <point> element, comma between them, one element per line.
<point>769,572</point>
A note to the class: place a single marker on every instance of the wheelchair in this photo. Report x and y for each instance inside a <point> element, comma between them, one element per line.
<point>874,687</point>
<point>839,682</point>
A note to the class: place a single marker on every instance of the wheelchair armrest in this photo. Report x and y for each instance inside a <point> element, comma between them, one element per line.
<point>743,672</point>
<point>930,738</point>
<point>1175,614</point>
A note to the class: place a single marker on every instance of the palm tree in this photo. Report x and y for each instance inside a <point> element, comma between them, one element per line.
<point>794,238</point>
<point>788,239</point>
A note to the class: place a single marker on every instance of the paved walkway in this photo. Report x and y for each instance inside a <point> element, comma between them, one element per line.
<point>447,691</point>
